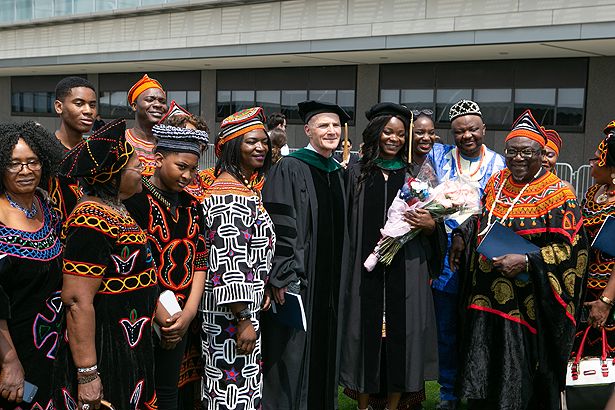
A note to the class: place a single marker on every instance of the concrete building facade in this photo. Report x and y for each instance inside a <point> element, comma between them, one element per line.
<point>215,56</point>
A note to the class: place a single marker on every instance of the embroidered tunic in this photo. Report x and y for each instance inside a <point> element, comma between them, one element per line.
<point>240,242</point>
<point>100,243</point>
<point>517,335</point>
<point>145,151</point>
<point>30,275</point>
<point>178,247</point>
<point>600,267</point>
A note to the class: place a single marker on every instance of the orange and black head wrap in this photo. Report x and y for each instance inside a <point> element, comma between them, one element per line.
<point>145,83</point>
<point>526,126</point>
<point>606,148</point>
<point>239,124</point>
<point>554,141</point>
<point>98,158</point>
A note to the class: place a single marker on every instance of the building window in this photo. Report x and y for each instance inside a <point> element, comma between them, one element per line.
<point>553,89</point>
<point>33,102</point>
<point>280,90</point>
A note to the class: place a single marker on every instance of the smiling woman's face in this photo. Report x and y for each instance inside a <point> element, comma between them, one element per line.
<point>392,138</point>
<point>19,178</point>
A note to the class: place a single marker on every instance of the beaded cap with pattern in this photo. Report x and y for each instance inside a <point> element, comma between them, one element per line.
<point>527,126</point>
<point>99,157</point>
<point>464,107</point>
<point>179,139</point>
<point>238,124</point>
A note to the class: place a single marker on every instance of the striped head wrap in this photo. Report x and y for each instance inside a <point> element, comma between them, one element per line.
<point>145,83</point>
<point>239,124</point>
<point>179,139</point>
<point>606,148</point>
<point>99,157</point>
<point>526,126</point>
<point>554,141</point>
<point>175,109</point>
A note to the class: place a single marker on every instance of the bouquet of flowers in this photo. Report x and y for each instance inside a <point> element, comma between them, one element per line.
<point>421,192</point>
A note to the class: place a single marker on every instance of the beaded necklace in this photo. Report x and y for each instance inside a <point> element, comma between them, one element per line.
<point>480,162</point>
<point>116,206</point>
<point>512,205</point>
<point>604,197</point>
<point>30,213</point>
<point>156,193</point>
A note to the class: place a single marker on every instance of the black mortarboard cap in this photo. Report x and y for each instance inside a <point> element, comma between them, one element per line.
<point>308,109</point>
<point>387,108</point>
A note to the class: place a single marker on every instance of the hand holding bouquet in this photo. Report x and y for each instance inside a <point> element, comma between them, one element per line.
<point>442,200</point>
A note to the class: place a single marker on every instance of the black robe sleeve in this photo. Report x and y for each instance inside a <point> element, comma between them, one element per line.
<point>284,196</point>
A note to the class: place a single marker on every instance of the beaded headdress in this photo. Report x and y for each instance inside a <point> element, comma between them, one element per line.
<point>606,148</point>
<point>526,126</point>
<point>179,139</point>
<point>464,107</point>
<point>145,83</point>
<point>238,124</point>
<point>99,157</point>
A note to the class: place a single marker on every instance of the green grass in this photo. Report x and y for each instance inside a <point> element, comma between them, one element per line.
<point>432,390</point>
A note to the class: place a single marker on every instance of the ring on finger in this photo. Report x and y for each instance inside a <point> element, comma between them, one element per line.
<point>86,406</point>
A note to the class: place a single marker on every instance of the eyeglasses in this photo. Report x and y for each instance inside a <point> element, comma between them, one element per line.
<point>424,111</point>
<point>17,167</point>
<point>525,153</point>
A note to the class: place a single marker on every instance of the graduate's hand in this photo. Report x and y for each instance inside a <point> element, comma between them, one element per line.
<point>11,380</point>
<point>266,300</point>
<point>598,313</point>
<point>458,245</point>
<point>421,219</point>
<point>510,265</point>
<point>278,294</point>
<point>246,337</point>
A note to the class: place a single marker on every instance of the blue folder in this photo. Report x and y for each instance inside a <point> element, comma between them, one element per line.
<point>291,313</point>
<point>604,240</point>
<point>500,241</point>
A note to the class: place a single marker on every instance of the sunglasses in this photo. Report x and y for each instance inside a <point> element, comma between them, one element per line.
<point>424,111</point>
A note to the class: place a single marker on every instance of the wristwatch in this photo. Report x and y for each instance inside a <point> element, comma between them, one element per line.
<point>245,314</point>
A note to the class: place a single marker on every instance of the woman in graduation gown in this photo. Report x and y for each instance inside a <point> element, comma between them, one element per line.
<point>389,342</point>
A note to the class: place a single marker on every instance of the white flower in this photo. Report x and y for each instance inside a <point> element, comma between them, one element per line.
<point>419,186</point>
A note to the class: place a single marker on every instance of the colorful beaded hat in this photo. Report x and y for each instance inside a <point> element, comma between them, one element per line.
<point>99,157</point>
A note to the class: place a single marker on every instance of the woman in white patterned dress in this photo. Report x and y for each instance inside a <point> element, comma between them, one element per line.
<point>240,243</point>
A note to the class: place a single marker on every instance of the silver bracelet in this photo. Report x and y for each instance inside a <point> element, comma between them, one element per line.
<point>87,369</point>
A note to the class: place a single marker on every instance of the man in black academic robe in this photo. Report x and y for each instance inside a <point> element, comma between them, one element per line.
<point>304,195</point>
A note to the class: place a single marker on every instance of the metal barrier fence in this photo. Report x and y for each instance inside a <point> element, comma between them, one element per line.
<point>581,179</point>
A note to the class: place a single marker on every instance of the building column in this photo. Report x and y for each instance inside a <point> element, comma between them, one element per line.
<point>5,95</point>
<point>208,100</point>
<point>367,94</point>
